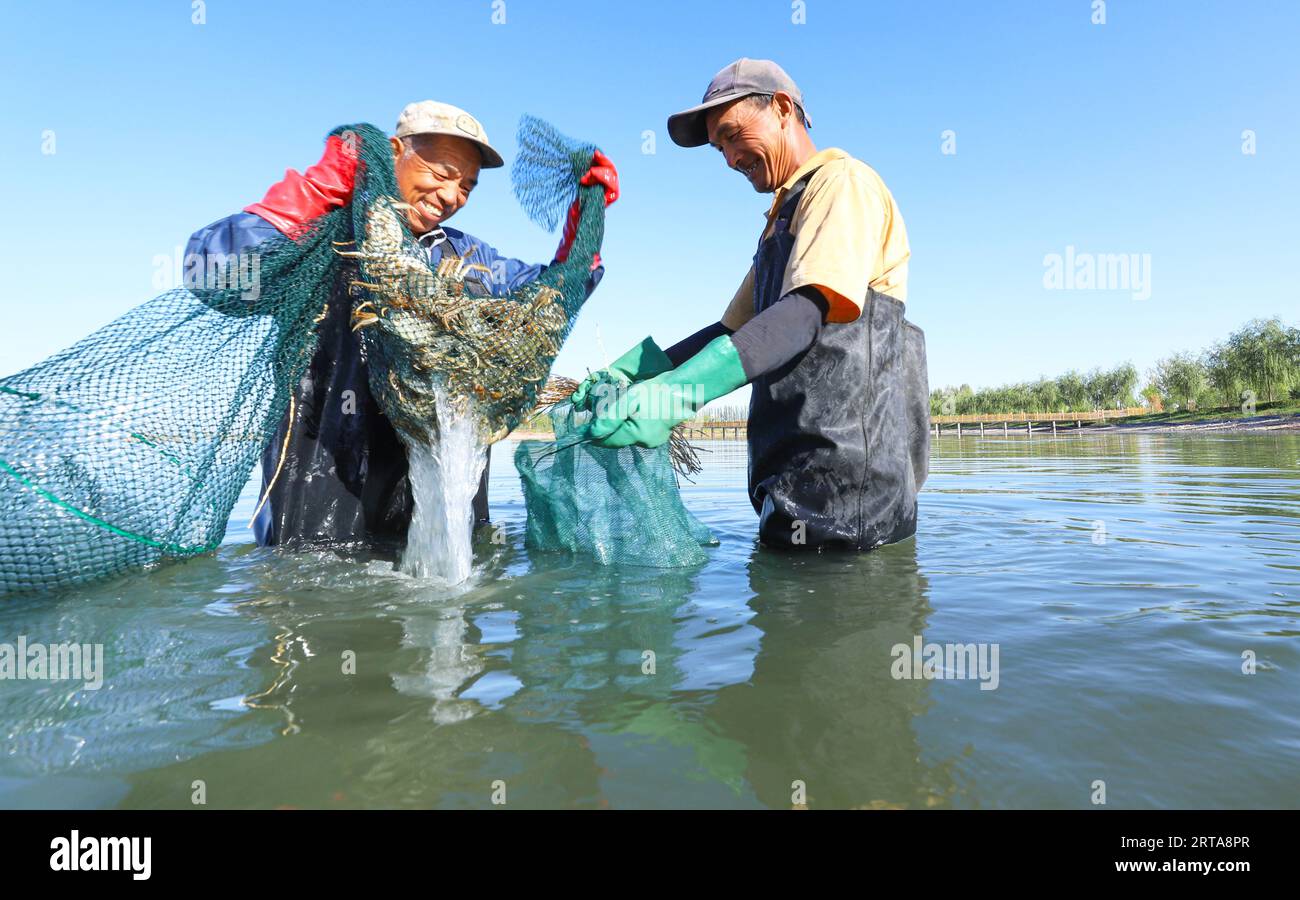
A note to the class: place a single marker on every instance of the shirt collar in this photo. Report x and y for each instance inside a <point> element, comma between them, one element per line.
<point>431,239</point>
<point>816,161</point>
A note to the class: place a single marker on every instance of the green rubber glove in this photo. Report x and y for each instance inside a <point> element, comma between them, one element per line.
<point>649,410</point>
<point>643,361</point>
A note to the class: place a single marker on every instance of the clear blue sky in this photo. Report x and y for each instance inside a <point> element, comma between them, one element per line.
<point>1116,138</point>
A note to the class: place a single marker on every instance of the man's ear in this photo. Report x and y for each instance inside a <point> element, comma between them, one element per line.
<point>397,147</point>
<point>784,105</point>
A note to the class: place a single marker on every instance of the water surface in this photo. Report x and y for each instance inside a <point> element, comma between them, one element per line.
<point>1122,578</point>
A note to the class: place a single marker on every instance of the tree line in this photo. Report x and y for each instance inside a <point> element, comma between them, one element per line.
<point>1259,362</point>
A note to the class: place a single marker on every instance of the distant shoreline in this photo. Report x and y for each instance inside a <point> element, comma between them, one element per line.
<point>1246,423</point>
<point>1288,423</point>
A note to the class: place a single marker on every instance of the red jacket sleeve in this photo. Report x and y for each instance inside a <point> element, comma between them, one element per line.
<point>298,199</point>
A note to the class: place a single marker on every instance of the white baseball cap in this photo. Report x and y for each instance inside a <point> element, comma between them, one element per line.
<point>432,117</point>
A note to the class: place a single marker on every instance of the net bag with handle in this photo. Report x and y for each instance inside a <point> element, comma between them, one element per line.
<point>617,506</point>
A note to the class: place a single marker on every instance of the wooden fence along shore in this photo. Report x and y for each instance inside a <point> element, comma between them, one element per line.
<point>958,425</point>
<point>1026,421</point>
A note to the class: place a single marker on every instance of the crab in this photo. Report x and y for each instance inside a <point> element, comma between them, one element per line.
<point>422,330</point>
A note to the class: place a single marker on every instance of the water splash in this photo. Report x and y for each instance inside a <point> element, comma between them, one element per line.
<point>444,477</point>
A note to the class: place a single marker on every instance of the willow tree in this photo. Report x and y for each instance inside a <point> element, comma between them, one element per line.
<point>1223,372</point>
<point>1073,391</point>
<point>1182,378</point>
<point>1047,395</point>
<point>1267,357</point>
<point>1260,359</point>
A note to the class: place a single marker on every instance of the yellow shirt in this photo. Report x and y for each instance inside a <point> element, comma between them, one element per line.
<point>848,236</point>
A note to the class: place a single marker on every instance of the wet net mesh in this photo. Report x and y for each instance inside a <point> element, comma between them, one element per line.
<point>618,506</point>
<point>132,446</point>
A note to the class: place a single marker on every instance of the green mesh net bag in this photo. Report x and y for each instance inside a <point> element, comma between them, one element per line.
<point>131,447</point>
<point>618,506</point>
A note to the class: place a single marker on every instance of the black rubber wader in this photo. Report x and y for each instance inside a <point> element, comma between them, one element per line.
<point>839,437</point>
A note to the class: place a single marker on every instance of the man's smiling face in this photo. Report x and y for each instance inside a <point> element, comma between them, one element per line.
<point>435,174</point>
<point>749,135</point>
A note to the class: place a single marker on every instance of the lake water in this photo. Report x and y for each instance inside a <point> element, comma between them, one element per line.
<point>1124,580</point>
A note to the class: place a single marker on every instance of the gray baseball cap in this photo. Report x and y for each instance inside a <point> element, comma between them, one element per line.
<point>740,79</point>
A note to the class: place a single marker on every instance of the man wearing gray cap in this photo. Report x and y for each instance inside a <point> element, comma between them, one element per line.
<point>335,474</point>
<point>839,411</point>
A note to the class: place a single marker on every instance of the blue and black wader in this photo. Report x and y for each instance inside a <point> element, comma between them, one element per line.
<point>839,437</point>
<point>339,480</point>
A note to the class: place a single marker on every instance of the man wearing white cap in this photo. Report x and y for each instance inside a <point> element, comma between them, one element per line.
<point>342,472</point>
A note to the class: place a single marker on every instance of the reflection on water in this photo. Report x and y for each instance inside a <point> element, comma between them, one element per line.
<point>1122,576</point>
